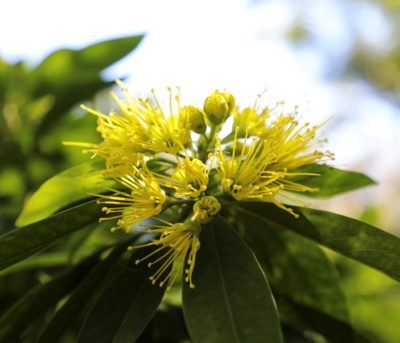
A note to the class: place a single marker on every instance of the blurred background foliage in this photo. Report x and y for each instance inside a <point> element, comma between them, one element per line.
<point>39,110</point>
<point>350,49</point>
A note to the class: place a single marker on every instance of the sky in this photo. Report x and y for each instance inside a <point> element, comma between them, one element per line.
<point>198,45</point>
<point>236,45</point>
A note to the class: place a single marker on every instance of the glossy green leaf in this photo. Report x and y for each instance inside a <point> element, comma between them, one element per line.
<point>21,243</point>
<point>297,267</point>
<point>69,186</point>
<point>28,308</point>
<point>331,181</point>
<point>85,291</point>
<point>125,308</point>
<point>232,301</point>
<point>347,236</point>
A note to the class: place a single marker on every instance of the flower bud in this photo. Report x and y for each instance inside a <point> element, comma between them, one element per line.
<point>195,118</point>
<point>216,108</point>
<point>230,100</point>
<point>205,209</point>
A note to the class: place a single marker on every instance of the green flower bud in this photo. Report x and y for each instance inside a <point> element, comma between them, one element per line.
<point>205,209</point>
<point>195,118</point>
<point>216,108</point>
<point>230,100</point>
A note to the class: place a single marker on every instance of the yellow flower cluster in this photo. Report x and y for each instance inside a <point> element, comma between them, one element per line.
<point>180,166</point>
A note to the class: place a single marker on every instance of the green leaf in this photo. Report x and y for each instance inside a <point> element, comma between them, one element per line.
<point>332,181</point>
<point>72,76</point>
<point>306,319</point>
<point>76,90</point>
<point>101,55</point>
<point>78,239</point>
<point>125,308</point>
<point>347,236</point>
<point>168,325</point>
<point>232,301</point>
<point>17,318</point>
<point>69,186</point>
<point>81,296</point>
<point>291,335</point>
<point>49,260</point>
<point>21,243</point>
<point>297,267</point>
<point>299,271</point>
<point>65,67</point>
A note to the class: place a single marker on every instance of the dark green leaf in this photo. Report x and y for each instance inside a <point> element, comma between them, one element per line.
<point>232,301</point>
<point>349,237</point>
<point>331,181</point>
<point>49,260</point>
<point>292,335</point>
<point>78,240</point>
<point>296,267</point>
<point>125,308</point>
<point>313,322</point>
<point>80,296</point>
<point>16,319</point>
<point>21,243</point>
<point>77,89</point>
<point>169,326</point>
<point>63,189</point>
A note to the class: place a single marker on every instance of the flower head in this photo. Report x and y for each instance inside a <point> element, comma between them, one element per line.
<point>190,178</point>
<point>141,126</point>
<point>165,133</point>
<point>158,165</point>
<point>179,244</point>
<point>143,199</point>
<point>261,169</point>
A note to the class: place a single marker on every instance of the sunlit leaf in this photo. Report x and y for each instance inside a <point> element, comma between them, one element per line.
<point>350,237</point>
<point>69,186</point>
<point>232,301</point>
<point>331,181</point>
<point>21,243</point>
